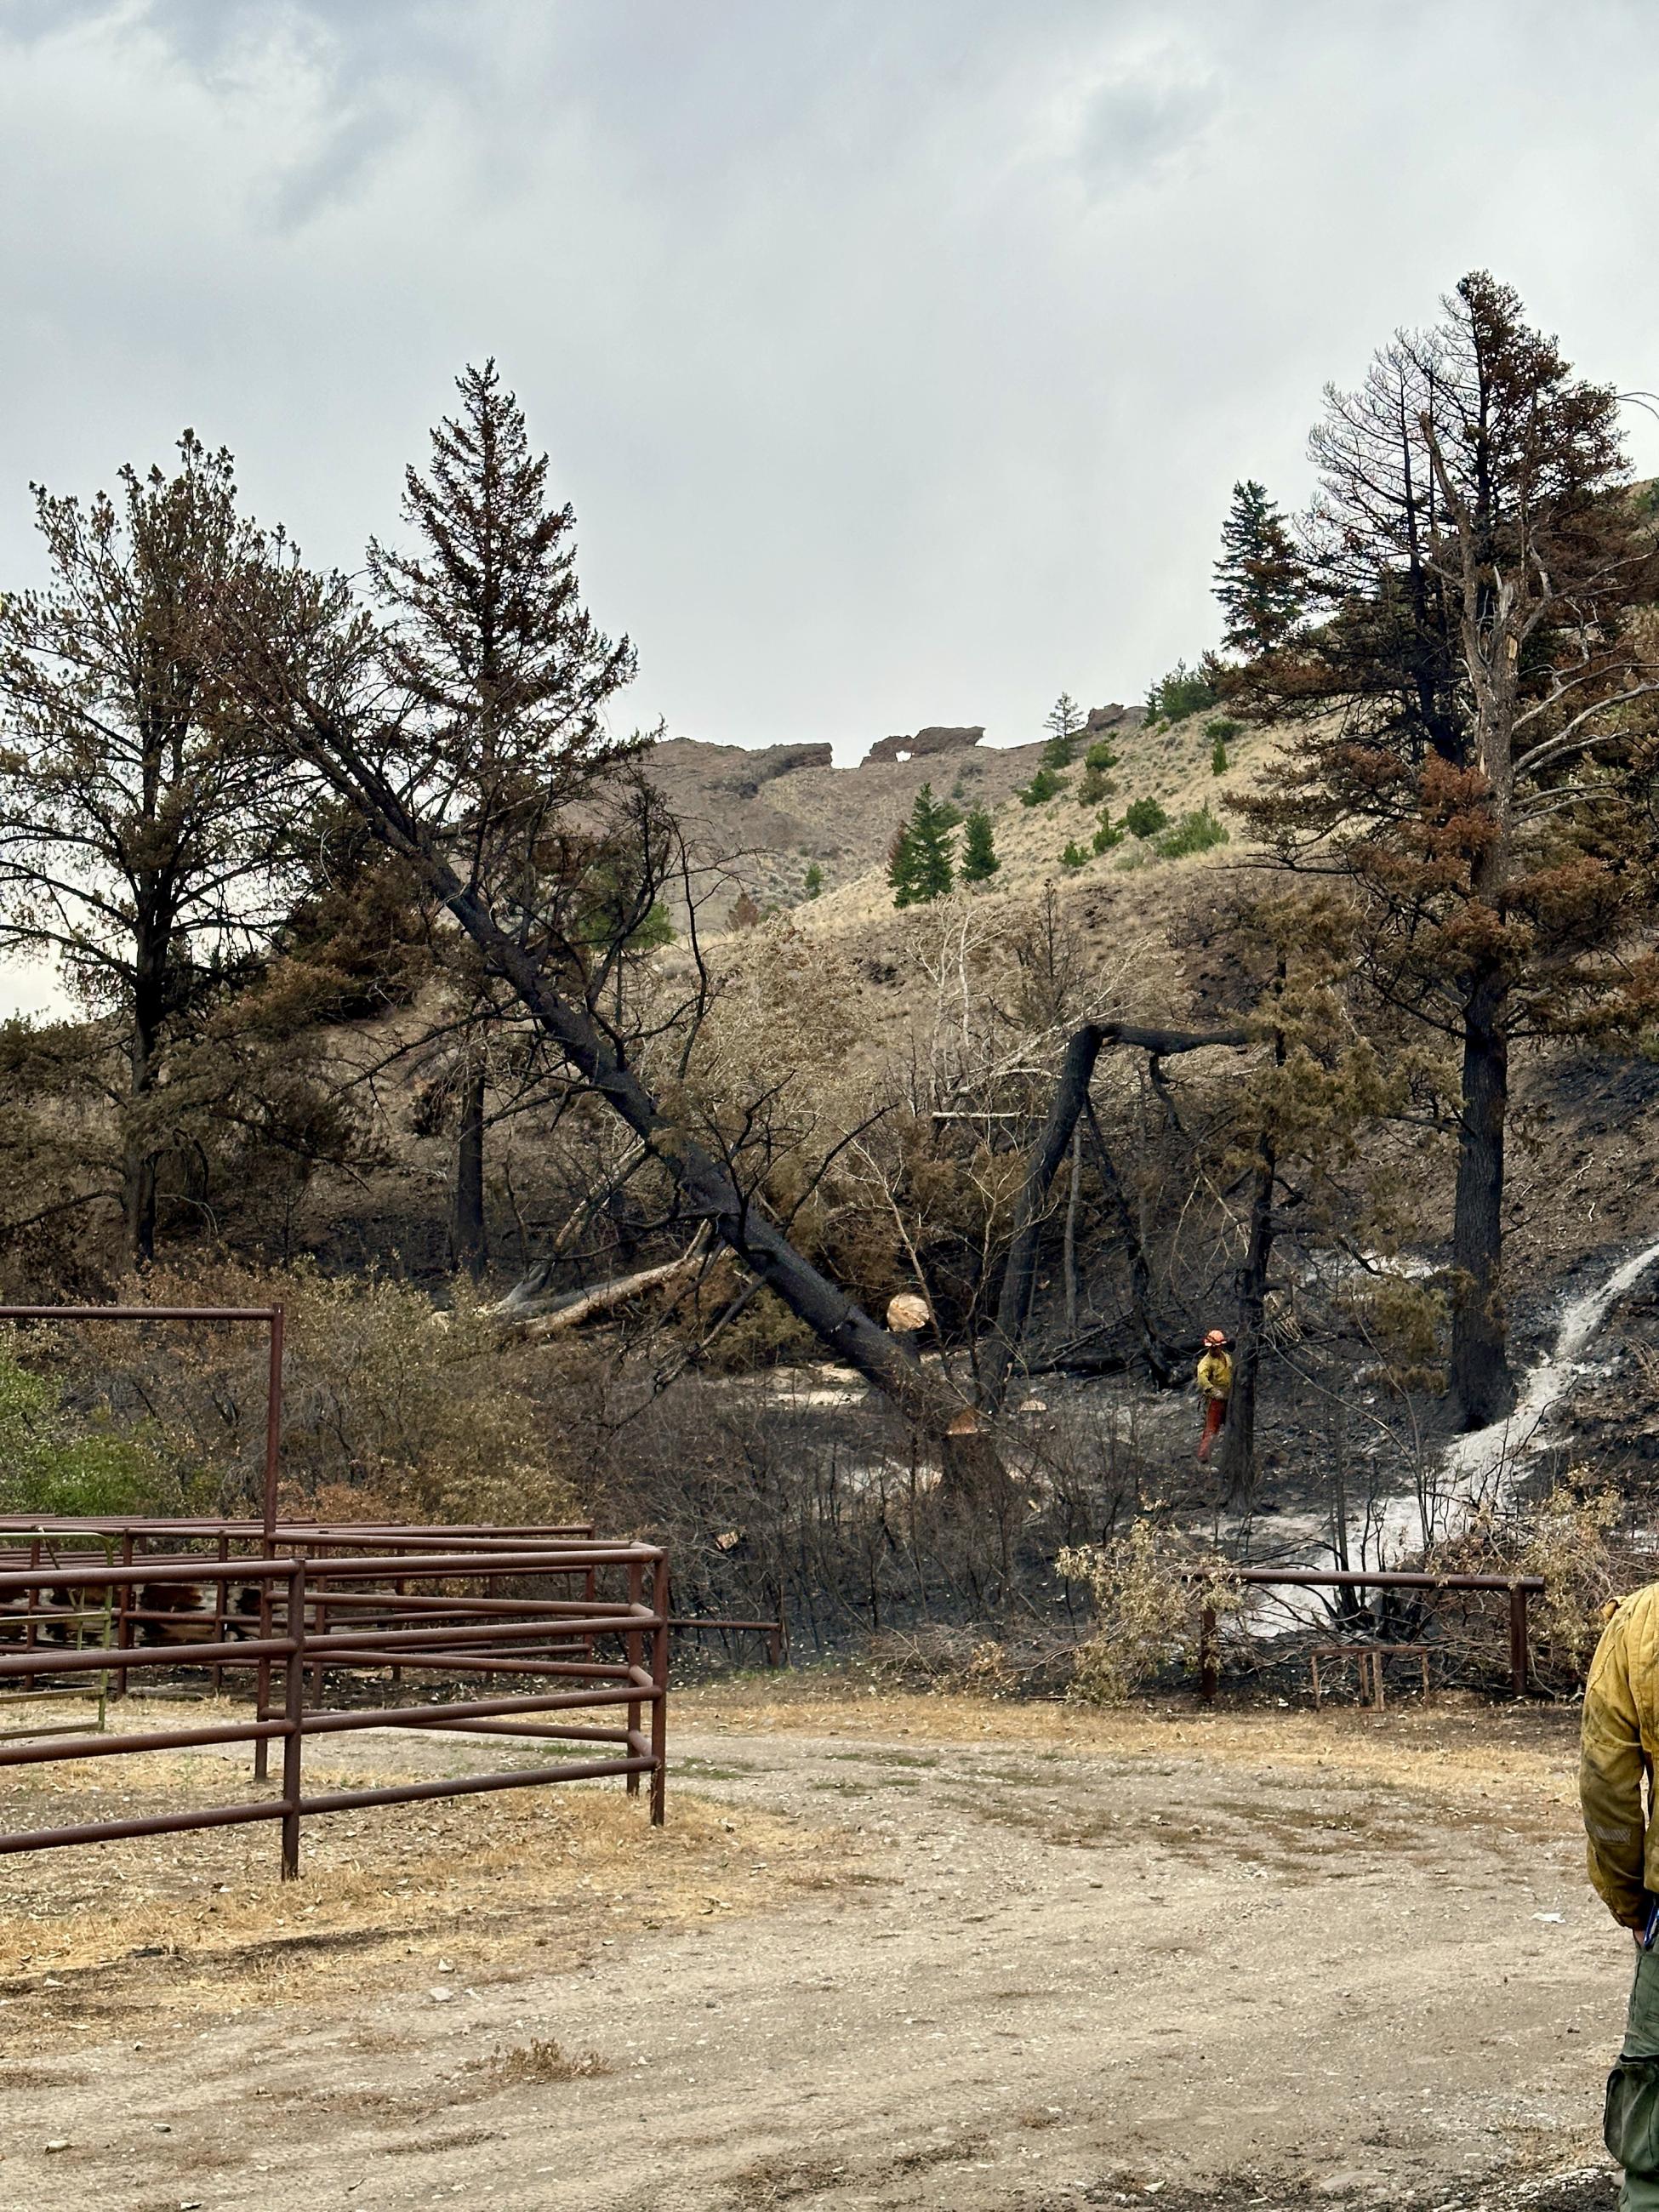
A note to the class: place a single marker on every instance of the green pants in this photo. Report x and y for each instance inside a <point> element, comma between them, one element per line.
<point>1632,2125</point>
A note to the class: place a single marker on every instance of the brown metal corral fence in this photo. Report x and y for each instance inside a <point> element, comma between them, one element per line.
<point>546,1638</point>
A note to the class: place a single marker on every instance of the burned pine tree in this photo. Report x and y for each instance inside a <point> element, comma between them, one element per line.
<point>486,650</point>
<point>144,846</point>
<point>1475,683</point>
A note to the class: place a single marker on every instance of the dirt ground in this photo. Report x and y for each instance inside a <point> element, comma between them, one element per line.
<point>889,1952</point>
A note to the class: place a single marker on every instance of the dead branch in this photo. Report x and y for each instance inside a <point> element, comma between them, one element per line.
<point>606,1296</point>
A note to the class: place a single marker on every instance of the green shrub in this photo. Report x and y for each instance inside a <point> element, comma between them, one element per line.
<point>46,1469</point>
<point>1100,757</point>
<point>814,883</point>
<point>1194,833</point>
<point>1045,785</point>
<point>1095,785</point>
<point>1183,691</point>
<point>1108,834</point>
<point>1145,817</point>
<point>1073,856</point>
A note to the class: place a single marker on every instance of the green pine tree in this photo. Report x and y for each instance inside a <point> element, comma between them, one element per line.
<point>1258,579</point>
<point>1064,722</point>
<point>1073,856</point>
<point>1185,690</point>
<point>814,879</point>
<point>979,854</point>
<point>919,863</point>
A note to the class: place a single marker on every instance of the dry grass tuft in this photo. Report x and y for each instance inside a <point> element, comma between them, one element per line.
<point>540,2062</point>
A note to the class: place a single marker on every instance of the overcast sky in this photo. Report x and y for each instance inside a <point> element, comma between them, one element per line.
<point>897,355</point>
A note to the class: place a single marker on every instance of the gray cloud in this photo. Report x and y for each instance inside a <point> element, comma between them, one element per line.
<point>899,358</point>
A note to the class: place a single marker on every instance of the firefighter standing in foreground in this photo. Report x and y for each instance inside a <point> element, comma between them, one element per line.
<point>1620,1737</point>
<point>1215,1380</point>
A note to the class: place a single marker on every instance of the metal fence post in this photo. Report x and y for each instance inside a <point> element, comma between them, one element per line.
<point>221,1588</point>
<point>659,1703</point>
<point>124,1612</point>
<point>1519,1666</point>
<point>31,1636</point>
<point>262,1684</point>
<point>633,1653</point>
<point>294,1719</point>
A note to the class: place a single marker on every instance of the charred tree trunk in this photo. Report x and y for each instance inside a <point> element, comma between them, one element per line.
<point>1480,1378</point>
<point>1071,1096</point>
<point>138,1168</point>
<point>1153,1349</point>
<point>1238,1434</point>
<point>468,1238</point>
<point>1074,1196</point>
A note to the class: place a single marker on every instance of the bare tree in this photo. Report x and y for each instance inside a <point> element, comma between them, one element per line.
<point>1069,1102</point>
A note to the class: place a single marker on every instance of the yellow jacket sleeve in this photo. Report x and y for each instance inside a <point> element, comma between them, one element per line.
<point>1612,1763</point>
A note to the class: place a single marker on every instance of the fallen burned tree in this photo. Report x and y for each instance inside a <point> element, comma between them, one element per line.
<point>486,769</point>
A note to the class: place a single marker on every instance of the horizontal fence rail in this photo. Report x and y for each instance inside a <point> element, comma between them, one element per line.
<point>1518,1587</point>
<point>579,1629</point>
<point>774,1633</point>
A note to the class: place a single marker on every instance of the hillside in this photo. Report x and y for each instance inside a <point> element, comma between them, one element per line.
<point>764,817</point>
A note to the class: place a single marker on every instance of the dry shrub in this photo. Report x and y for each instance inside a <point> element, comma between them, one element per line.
<point>411,1410</point>
<point>964,1660</point>
<point>1147,1608</point>
<point>539,2061</point>
<point>1568,1538</point>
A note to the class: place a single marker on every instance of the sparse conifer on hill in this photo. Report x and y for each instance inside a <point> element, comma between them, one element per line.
<point>979,853</point>
<point>1258,579</point>
<point>919,864</point>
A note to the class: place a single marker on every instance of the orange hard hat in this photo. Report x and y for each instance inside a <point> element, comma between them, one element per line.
<point>1216,1336</point>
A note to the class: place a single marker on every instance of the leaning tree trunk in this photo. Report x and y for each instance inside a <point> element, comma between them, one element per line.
<point>1071,1096</point>
<point>1480,1378</point>
<point>468,1243</point>
<point>968,1453</point>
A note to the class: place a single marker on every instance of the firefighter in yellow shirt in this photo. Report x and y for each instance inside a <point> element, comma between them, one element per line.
<point>1215,1380</point>
<point>1620,1735</point>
